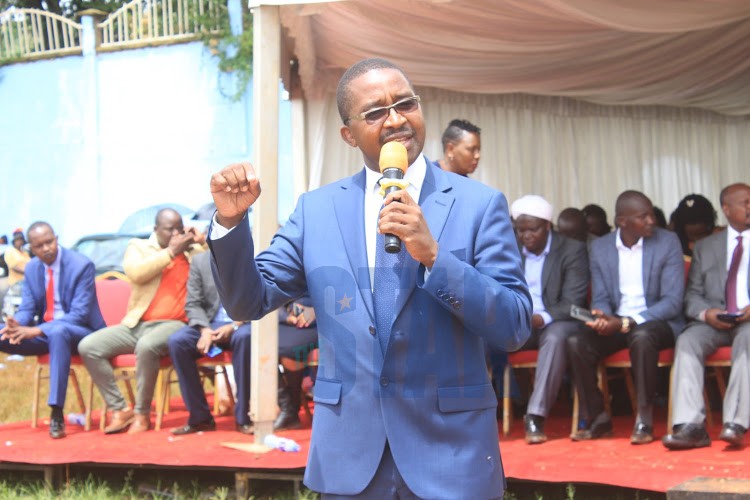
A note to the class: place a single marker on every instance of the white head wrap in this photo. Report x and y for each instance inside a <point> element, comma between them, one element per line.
<point>533,205</point>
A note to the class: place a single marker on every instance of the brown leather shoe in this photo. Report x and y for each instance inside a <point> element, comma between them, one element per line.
<point>141,423</point>
<point>121,419</point>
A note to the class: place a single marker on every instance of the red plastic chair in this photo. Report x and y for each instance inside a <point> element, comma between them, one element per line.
<point>516,360</point>
<point>116,293</point>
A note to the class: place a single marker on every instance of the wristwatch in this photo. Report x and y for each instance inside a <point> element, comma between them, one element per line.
<point>235,326</point>
<point>627,324</point>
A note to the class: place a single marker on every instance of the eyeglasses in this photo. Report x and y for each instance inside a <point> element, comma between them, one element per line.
<point>406,105</point>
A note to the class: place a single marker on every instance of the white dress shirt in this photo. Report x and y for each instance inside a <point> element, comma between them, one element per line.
<point>533,266</point>
<point>374,201</point>
<point>632,295</point>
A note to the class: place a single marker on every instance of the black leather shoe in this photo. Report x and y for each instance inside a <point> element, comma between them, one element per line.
<point>209,425</point>
<point>57,428</point>
<point>734,434</point>
<point>245,428</point>
<point>687,436</point>
<point>534,425</point>
<point>600,427</point>
<point>642,434</point>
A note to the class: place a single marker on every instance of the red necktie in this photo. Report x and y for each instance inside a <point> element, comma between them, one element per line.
<point>732,277</point>
<point>49,313</point>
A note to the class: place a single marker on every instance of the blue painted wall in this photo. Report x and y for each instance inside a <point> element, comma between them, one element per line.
<point>87,140</point>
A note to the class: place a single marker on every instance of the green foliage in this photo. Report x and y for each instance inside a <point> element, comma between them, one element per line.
<point>67,8</point>
<point>570,491</point>
<point>234,52</point>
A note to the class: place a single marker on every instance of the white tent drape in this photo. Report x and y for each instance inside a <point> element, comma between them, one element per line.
<point>571,153</point>
<point>690,53</point>
<point>578,99</point>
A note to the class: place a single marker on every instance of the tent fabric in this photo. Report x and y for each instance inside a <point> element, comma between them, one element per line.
<point>686,53</point>
<point>570,152</point>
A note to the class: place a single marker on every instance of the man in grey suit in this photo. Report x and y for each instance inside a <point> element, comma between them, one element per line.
<point>556,270</point>
<point>638,279</point>
<point>717,302</point>
<point>208,325</point>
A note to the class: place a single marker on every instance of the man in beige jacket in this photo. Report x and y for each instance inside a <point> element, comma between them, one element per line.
<point>158,270</point>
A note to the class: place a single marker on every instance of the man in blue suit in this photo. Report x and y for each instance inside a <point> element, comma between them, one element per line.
<point>403,403</point>
<point>637,282</point>
<point>59,308</point>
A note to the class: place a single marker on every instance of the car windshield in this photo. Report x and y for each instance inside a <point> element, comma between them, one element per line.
<point>105,252</point>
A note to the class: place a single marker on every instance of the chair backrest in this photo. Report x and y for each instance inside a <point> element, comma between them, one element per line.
<point>113,296</point>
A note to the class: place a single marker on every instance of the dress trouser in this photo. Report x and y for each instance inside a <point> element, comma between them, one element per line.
<point>61,342</point>
<point>147,340</point>
<point>586,348</point>
<point>182,350</point>
<point>698,341</point>
<point>551,363</point>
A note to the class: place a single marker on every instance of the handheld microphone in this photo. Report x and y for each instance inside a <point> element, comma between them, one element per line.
<point>393,164</point>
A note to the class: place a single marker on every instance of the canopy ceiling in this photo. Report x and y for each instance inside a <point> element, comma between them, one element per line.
<point>687,53</point>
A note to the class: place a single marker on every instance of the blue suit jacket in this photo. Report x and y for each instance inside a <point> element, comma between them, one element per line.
<point>76,288</point>
<point>663,277</point>
<point>429,393</point>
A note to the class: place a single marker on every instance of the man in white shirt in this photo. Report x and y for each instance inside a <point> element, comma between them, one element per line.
<point>718,303</point>
<point>638,279</point>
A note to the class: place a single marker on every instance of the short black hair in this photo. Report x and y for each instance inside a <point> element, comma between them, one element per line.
<point>164,211</point>
<point>692,209</point>
<point>455,130</point>
<point>725,191</point>
<point>37,225</point>
<point>626,197</point>
<point>343,93</point>
<point>661,219</point>
<point>595,211</point>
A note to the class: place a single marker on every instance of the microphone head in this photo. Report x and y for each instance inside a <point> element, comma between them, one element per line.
<point>393,155</point>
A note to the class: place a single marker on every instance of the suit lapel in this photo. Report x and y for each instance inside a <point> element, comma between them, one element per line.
<point>649,245</point>
<point>614,271</point>
<point>349,206</point>
<point>436,204</point>
<point>720,254</point>
<point>550,261</point>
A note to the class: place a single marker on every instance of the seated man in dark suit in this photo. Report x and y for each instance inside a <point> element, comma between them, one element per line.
<point>637,278</point>
<point>718,303</point>
<point>298,335</point>
<point>556,270</point>
<point>58,290</point>
<point>208,325</point>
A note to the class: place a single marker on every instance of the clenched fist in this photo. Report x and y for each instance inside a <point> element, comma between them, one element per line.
<point>234,189</point>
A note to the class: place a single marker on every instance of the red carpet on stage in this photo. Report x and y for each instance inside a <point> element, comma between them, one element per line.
<point>611,461</point>
<point>21,444</point>
<point>614,461</point>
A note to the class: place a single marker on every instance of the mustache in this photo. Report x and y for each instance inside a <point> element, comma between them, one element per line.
<point>402,133</point>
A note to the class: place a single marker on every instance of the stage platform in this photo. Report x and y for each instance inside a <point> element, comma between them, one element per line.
<point>611,461</point>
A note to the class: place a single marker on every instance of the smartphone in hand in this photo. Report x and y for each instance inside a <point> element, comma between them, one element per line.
<point>731,318</point>
<point>581,314</point>
<point>214,351</point>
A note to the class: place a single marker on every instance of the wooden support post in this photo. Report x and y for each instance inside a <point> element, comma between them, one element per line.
<point>266,53</point>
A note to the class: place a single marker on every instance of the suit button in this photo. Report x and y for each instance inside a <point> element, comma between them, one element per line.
<point>457,304</point>
<point>372,330</point>
<point>384,381</point>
